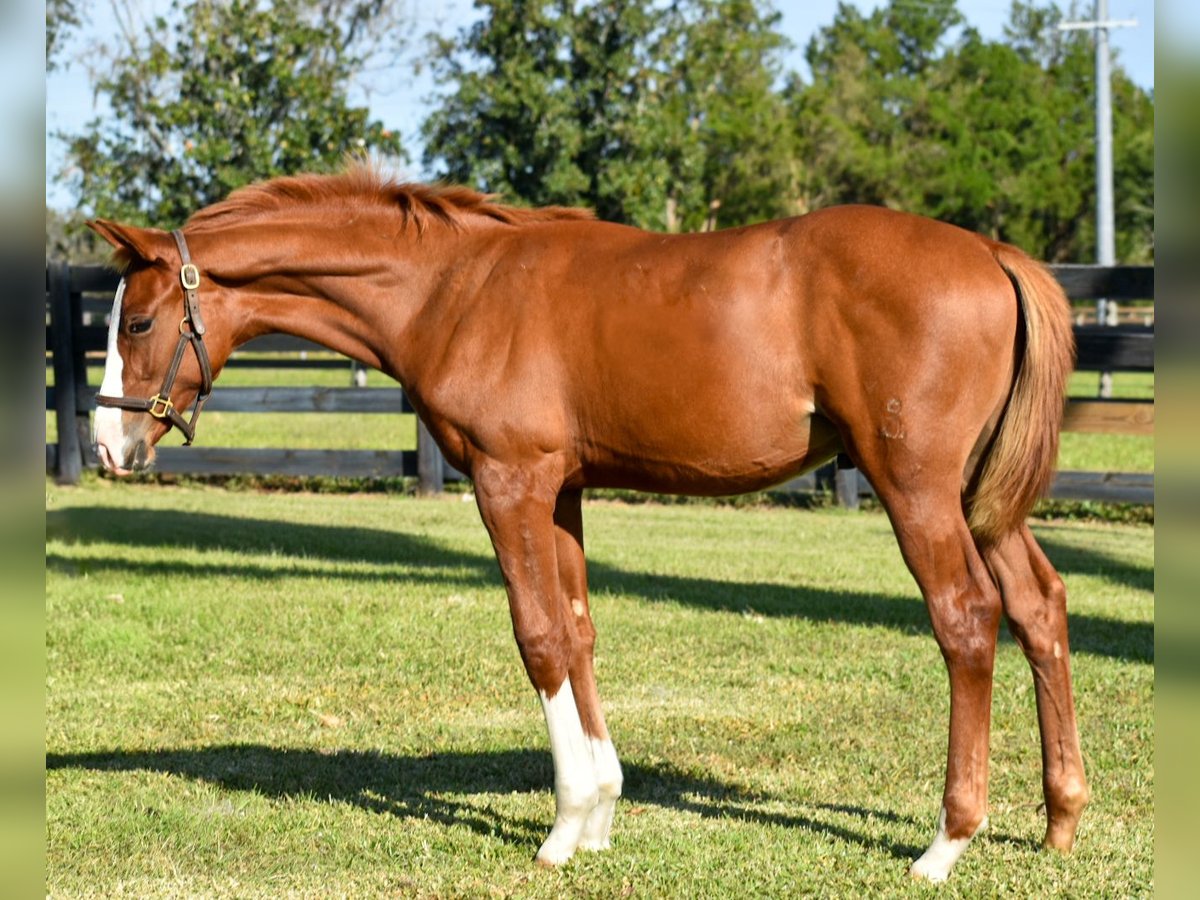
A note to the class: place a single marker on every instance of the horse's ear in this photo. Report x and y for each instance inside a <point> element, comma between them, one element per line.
<point>147,245</point>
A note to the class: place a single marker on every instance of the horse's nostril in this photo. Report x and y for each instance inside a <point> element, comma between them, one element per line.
<point>141,455</point>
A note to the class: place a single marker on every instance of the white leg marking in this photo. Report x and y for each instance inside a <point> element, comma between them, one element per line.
<point>608,780</point>
<point>107,432</point>
<point>936,862</point>
<point>575,789</point>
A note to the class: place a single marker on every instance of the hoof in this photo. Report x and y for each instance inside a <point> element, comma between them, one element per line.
<point>935,863</point>
<point>1064,809</point>
<point>921,871</point>
<point>556,850</point>
<point>1060,840</point>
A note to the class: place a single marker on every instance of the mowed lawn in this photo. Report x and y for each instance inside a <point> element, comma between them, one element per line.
<point>270,695</point>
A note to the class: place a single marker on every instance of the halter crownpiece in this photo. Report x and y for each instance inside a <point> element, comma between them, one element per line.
<point>191,331</point>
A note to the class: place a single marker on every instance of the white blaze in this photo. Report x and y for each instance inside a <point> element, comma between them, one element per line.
<point>107,422</point>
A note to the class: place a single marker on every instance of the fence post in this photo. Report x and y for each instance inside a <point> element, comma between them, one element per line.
<point>840,476</point>
<point>845,481</point>
<point>430,465</point>
<point>83,394</point>
<point>62,345</point>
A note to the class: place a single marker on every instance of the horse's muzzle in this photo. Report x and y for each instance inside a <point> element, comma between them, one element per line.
<point>138,459</point>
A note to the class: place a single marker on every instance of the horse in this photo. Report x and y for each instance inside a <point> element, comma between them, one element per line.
<point>548,352</point>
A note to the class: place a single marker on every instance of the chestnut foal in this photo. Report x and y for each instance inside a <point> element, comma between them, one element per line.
<point>547,352</point>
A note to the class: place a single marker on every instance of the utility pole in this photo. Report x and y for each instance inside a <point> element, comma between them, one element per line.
<point>1106,255</point>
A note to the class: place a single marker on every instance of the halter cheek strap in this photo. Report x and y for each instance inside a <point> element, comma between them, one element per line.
<point>191,332</point>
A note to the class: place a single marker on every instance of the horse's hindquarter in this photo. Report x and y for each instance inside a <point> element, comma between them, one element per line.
<point>911,330</point>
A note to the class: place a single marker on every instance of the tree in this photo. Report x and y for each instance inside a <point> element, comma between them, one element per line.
<point>718,124</point>
<point>222,93</point>
<point>647,113</point>
<point>909,110</point>
<point>1024,129</point>
<point>61,17</point>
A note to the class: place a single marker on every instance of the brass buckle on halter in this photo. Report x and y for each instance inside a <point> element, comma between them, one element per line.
<point>189,276</point>
<point>159,400</point>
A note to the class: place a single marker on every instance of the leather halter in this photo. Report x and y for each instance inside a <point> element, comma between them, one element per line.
<point>191,331</point>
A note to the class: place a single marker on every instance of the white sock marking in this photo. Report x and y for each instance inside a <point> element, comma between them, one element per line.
<point>936,862</point>
<point>609,780</point>
<point>575,783</point>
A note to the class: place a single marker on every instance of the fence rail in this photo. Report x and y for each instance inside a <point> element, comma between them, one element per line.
<point>78,298</point>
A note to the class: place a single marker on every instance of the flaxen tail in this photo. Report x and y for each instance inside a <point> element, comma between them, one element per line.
<point>1021,460</point>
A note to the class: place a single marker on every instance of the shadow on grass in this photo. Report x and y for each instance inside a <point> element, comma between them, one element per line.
<point>401,556</point>
<point>1076,560</point>
<point>416,787</point>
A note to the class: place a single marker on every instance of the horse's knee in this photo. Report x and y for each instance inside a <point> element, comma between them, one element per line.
<point>546,654</point>
<point>583,636</point>
<point>965,625</point>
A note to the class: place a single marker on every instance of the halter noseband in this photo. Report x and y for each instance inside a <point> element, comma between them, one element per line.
<point>191,331</point>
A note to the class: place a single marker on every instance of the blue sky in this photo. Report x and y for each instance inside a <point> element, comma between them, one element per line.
<point>399,100</point>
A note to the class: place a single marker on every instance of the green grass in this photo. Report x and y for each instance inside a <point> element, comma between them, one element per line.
<point>1126,385</point>
<point>1109,452</point>
<point>261,695</point>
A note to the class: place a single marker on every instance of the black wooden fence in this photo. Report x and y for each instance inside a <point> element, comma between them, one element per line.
<point>79,297</point>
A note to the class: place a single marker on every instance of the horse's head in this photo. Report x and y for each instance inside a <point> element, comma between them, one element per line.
<point>161,355</point>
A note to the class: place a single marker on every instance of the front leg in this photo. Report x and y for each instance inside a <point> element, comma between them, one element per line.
<point>517,507</point>
<point>572,574</point>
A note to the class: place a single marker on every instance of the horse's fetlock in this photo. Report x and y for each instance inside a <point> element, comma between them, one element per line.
<point>611,785</point>
<point>1068,797</point>
<point>576,799</point>
<point>963,820</point>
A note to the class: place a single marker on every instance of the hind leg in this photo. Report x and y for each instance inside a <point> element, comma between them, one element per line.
<point>964,608</point>
<point>1035,604</point>
<point>925,508</point>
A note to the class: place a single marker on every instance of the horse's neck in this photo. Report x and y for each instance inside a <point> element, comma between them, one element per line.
<point>355,293</point>
<point>315,312</point>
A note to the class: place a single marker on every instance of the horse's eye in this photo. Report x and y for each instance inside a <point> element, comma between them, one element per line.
<point>140,326</point>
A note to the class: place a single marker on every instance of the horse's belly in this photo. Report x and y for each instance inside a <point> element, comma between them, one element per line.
<point>713,461</point>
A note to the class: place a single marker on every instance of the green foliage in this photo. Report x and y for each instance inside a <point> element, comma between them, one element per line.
<point>674,115</point>
<point>718,132</point>
<point>68,239</point>
<point>61,17</point>
<point>998,137</point>
<point>221,94</point>
<point>660,115</point>
<point>647,114</point>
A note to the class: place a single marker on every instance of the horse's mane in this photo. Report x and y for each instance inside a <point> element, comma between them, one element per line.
<point>362,185</point>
